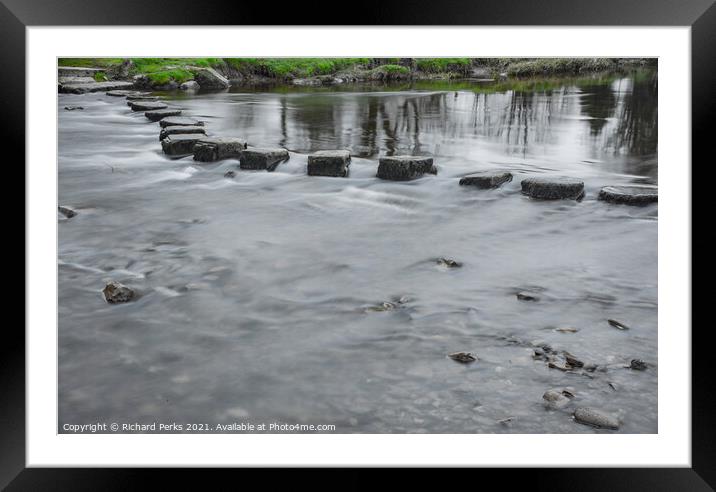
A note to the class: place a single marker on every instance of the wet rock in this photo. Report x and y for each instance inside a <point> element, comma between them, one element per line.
<point>463,357</point>
<point>329,163</point>
<point>120,93</point>
<point>181,121</point>
<point>146,105</point>
<point>572,360</point>
<point>191,85</point>
<point>184,130</point>
<point>637,365</point>
<point>141,97</point>
<point>562,366</point>
<point>215,149</point>
<point>527,296</point>
<point>125,68</point>
<point>614,386</point>
<point>448,263</point>
<point>630,195</point>
<point>161,113</point>
<point>595,418</point>
<point>553,188</point>
<point>404,167</point>
<point>486,180</point>
<point>67,211</point>
<point>616,324</point>
<point>383,306</point>
<point>180,144</point>
<point>208,78</point>
<point>74,88</point>
<point>230,174</point>
<point>557,398</point>
<point>506,421</point>
<point>114,292</point>
<point>566,329</point>
<point>73,108</point>
<point>268,159</point>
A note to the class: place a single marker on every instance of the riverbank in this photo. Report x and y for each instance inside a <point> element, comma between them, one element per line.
<point>178,73</point>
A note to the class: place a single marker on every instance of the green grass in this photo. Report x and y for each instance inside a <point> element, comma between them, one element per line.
<point>100,76</point>
<point>442,65</point>
<point>284,68</point>
<point>546,66</point>
<point>163,77</point>
<point>88,62</point>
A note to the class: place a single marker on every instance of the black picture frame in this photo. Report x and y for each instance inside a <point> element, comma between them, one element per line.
<point>16,15</point>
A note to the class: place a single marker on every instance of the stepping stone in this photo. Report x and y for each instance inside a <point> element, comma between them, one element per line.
<point>75,80</point>
<point>172,121</point>
<point>553,188</point>
<point>181,144</point>
<point>268,159</point>
<point>405,167</point>
<point>329,163</point>
<point>184,130</point>
<point>142,97</point>
<point>120,93</point>
<point>146,106</point>
<point>161,113</point>
<point>486,180</point>
<point>95,87</point>
<point>216,149</point>
<point>630,195</point>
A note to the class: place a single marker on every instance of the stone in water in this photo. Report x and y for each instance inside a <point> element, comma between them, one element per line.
<point>161,113</point>
<point>553,188</point>
<point>267,159</point>
<point>595,418</point>
<point>329,163</point>
<point>486,180</point>
<point>463,357</point>
<point>146,105</point>
<point>630,195</point>
<point>114,292</point>
<point>173,130</point>
<point>215,149</point>
<point>405,167</point>
<point>173,121</point>
<point>180,144</point>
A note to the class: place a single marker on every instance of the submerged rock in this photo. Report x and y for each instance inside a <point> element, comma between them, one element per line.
<point>527,296</point>
<point>404,167</point>
<point>174,130</point>
<point>208,78</point>
<point>616,324</point>
<point>556,398</point>
<point>161,113</point>
<point>180,144</point>
<point>67,211</point>
<point>329,163</point>
<point>448,262</point>
<point>181,121</point>
<point>595,418</point>
<point>553,188</point>
<point>463,357</point>
<point>383,306</point>
<point>486,179</point>
<point>630,195</point>
<point>637,365</point>
<point>268,159</point>
<point>115,292</point>
<point>73,108</point>
<point>140,96</point>
<point>230,174</point>
<point>146,105</point>
<point>215,149</point>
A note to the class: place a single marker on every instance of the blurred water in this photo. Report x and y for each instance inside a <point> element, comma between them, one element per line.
<point>253,290</point>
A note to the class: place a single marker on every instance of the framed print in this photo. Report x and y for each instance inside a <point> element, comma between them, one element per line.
<point>435,238</point>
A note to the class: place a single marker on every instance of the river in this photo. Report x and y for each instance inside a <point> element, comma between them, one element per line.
<point>255,291</point>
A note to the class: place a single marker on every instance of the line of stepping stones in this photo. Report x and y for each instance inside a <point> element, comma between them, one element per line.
<point>181,137</point>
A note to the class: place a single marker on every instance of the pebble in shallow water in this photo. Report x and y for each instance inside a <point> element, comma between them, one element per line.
<point>616,324</point>
<point>115,292</point>
<point>527,296</point>
<point>448,263</point>
<point>637,365</point>
<point>463,357</point>
<point>67,211</point>
<point>595,418</point>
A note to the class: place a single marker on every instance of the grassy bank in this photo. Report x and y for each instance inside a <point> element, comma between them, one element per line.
<point>161,71</point>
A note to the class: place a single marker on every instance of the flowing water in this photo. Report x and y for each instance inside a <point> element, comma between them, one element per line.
<point>255,291</point>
